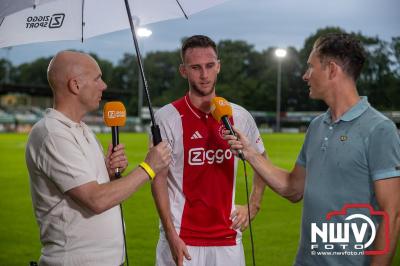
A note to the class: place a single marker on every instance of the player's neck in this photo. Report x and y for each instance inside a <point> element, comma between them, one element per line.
<point>201,102</point>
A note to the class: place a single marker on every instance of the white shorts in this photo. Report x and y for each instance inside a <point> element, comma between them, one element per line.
<point>202,256</point>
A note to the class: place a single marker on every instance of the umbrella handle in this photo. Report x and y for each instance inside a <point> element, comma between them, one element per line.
<point>155,131</point>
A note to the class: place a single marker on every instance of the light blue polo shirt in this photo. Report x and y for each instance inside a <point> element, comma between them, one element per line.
<point>342,160</point>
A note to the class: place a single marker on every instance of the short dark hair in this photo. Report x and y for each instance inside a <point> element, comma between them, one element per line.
<point>345,49</point>
<point>197,41</point>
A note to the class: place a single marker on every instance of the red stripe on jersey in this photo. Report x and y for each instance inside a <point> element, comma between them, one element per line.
<point>208,180</point>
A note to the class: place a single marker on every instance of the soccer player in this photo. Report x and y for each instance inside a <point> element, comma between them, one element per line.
<point>351,155</point>
<point>200,223</point>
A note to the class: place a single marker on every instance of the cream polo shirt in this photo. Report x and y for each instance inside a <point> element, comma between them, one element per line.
<point>61,155</point>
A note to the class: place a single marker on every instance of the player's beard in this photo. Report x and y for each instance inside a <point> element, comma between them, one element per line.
<point>194,87</point>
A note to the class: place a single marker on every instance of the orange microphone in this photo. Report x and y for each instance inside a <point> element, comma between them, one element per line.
<point>221,110</point>
<point>114,115</point>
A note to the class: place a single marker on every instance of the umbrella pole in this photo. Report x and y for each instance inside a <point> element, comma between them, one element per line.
<point>155,130</point>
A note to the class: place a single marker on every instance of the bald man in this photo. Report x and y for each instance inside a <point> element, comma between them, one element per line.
<point>74,191</point>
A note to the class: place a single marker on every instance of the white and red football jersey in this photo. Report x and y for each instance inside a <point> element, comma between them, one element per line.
<point>202,174</point>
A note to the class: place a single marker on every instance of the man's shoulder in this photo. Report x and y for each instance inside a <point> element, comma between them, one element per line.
<point>49,127</point>
<point>238,110</point>
<point>317,121</point>
<point>372,120</point>
<point>168,118</point>
<point>37,134</point>
<point>238,107</point>
<point>166,112</point>
<point>319,118</point>
<point>376,116</point>
<point>378,121</point>
<point>44,132</point>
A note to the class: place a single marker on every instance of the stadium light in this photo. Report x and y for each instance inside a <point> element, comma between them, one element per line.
<point>141,33</point>
<point>280,54</point>
<point>144,32</point>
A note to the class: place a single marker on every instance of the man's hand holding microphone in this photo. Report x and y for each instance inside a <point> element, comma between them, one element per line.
<point>157,159</point>
<point>221,110</point>
<point>240,143</point>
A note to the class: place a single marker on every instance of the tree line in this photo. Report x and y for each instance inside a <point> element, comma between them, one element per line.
<point>248,77</point>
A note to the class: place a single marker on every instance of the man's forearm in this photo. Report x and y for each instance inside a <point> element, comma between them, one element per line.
<point>160,193</point>
<point>380,241</point>
<point>257,193</point>
<point>101,197</point>
<point>286,184</point>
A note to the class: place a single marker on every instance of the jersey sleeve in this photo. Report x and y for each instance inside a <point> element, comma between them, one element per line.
<point>302,157</point>
<point>166,120</point>
<point>253,134</point>
<point>384,151</point>
<point>246,124</point>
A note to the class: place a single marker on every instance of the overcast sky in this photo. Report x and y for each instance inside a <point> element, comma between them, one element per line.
<point>263,23</point>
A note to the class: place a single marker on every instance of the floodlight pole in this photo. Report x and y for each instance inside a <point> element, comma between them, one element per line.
<point>278,97</point>
<point>142,32</point>
<point>280,53</point>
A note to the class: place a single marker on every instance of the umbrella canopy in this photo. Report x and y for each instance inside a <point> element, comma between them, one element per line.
<point>24,21</point>
<point>53,20</point>
<point>8,7</point>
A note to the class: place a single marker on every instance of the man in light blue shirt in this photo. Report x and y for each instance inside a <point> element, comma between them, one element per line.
<point>348,169</point>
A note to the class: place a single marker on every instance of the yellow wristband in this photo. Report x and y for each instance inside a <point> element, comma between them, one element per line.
<point>146,167</point>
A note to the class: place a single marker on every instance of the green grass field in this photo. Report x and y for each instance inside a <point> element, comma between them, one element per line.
<point>276,228</point>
